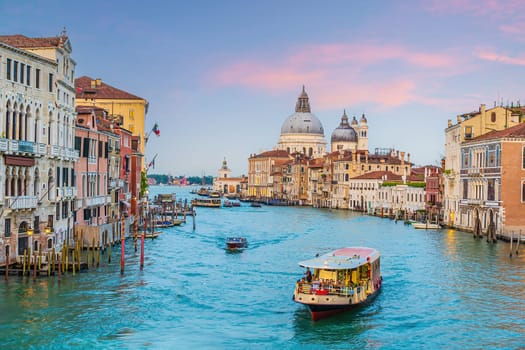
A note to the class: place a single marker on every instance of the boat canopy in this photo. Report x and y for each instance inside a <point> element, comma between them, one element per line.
<point>342,259</point>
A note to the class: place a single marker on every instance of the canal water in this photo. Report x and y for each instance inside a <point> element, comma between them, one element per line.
<point>441,289</point>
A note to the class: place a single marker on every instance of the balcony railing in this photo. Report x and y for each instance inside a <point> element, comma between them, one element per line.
<point>21,202</point>
<point>96,201</point>
<point>4,145</point>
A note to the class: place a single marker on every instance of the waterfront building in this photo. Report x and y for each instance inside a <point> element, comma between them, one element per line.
<point>387,194</point>
<point>38,194</point>
<point>129,108</point>
<point>295,180</point>
<point>302,132</point>
<point>225,183</point>
<point>260,178</point>
<point>469,126</point>
<point>94,223</point>
<point>492,179</point>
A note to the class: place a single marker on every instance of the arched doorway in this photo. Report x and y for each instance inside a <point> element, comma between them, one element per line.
<point>23,238</point>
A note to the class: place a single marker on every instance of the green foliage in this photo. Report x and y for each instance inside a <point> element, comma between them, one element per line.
<point>143,183</point>
<point>416,184</point>
<point>390,183</point>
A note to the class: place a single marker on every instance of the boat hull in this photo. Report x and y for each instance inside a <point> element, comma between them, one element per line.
<point>319,311</point>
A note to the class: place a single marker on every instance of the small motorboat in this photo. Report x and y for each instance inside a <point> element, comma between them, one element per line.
<point>236,242</point>
<point>255,204</point>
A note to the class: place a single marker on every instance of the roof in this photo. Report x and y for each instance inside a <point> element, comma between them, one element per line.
<point>103,91</point>
<point>276,153</point>
<point>517,131</point>
<point>342,259</point>
<point>379,175</point>
<point>24,42</point>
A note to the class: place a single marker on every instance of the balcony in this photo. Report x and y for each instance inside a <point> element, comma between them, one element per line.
<point>53,151</point>
<point>96,201</point>
<point>4,145</point>
<point>21,202</point>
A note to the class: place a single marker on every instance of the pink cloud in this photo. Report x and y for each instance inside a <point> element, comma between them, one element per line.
<point>492,56</point>
<point>368,53</point>
<point>489,8</point>
<point>345,73</point>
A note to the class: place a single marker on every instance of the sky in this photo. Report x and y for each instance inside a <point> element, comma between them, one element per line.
<point>221,77</point>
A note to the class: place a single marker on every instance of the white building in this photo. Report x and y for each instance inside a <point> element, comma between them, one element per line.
<point>38,195</point>
<point>302,132</point>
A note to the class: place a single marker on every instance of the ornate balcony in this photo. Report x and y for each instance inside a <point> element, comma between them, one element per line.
<point>21,202</point>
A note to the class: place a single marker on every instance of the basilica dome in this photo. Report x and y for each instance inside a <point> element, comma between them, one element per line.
<point>302,121</point>
<point>344,132</point>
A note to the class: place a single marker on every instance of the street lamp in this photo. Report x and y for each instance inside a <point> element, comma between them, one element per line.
<point>29,231</point>
<point>47,230</point>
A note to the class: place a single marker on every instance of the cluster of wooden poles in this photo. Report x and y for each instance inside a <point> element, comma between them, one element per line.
<point>72,259</point>
<point>517,246</point>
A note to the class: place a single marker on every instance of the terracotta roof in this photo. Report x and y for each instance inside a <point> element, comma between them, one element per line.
<point>23,42</point>
<point>378,175</point>
<point>517,131</point>
<point>104,91</point>
<point>276,153</point>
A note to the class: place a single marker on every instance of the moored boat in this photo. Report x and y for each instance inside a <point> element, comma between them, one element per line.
<point>426,226</point>
<point>206,202</point>
<point>341,280</point>
<point>236,242</point>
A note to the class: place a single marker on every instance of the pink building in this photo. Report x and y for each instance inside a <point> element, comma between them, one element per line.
<point>93,219</point>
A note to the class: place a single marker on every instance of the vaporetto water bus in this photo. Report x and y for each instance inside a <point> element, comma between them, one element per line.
<point>340,280</point>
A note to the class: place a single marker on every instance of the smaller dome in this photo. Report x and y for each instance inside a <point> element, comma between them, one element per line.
<point>344,132</point>
<point>363,119</point>
<point>354,121</point>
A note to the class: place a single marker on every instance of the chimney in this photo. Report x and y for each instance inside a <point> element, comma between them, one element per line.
<point>459,119</point>
<point>402,158</point>
<point>408,157</point>
<point>449,123</point>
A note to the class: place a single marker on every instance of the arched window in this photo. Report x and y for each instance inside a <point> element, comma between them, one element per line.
<point>493,117</point>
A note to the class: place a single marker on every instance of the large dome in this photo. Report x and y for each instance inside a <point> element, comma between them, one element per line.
<point>344,132</point>
<point>302,121</point>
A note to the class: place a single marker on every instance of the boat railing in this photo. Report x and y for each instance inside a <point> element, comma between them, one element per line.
<point>323,288</point>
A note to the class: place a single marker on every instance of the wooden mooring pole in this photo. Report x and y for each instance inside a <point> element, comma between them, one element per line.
<point>122,246</point>
<point>7,266</point>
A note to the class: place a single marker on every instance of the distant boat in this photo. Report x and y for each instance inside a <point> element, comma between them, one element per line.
<point>215,194</point>
<point>255,204</point>
<point>206,202</point>
<point>339,281</point>
<point>203,192</point>
<point>228,203</point>
<point>236,242</point>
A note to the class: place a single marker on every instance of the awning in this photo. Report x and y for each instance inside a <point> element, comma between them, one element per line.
<point>125,203</point>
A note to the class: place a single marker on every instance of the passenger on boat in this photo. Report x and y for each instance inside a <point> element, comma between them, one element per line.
<point>308,275</point>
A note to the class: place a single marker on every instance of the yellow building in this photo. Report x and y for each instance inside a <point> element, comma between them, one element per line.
<point>128,109</point>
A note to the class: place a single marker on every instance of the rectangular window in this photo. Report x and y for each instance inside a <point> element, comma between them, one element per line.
<point>22,71</point>
<point>50,81</point>
<point>7,227</point>
<point>8,69</point>
<point>58,177</point>
<point>85,149</point>
<point>36,224</point>
<point>523,192</point>
<point>465,189</point>
<point>468,132</point>
<point>78,143</point>
<point>490,190</point>
<point>37,78</point>
<point>28,75</point>
<point>15,71</point>
<point>523,158</point>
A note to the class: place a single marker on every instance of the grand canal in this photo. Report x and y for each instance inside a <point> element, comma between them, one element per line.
<point>441,289</point>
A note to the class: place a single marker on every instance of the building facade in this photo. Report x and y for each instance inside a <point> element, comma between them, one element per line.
<point>37,96</point>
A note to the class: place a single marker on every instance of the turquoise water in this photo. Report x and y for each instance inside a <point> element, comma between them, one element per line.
<point>441,289</point>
